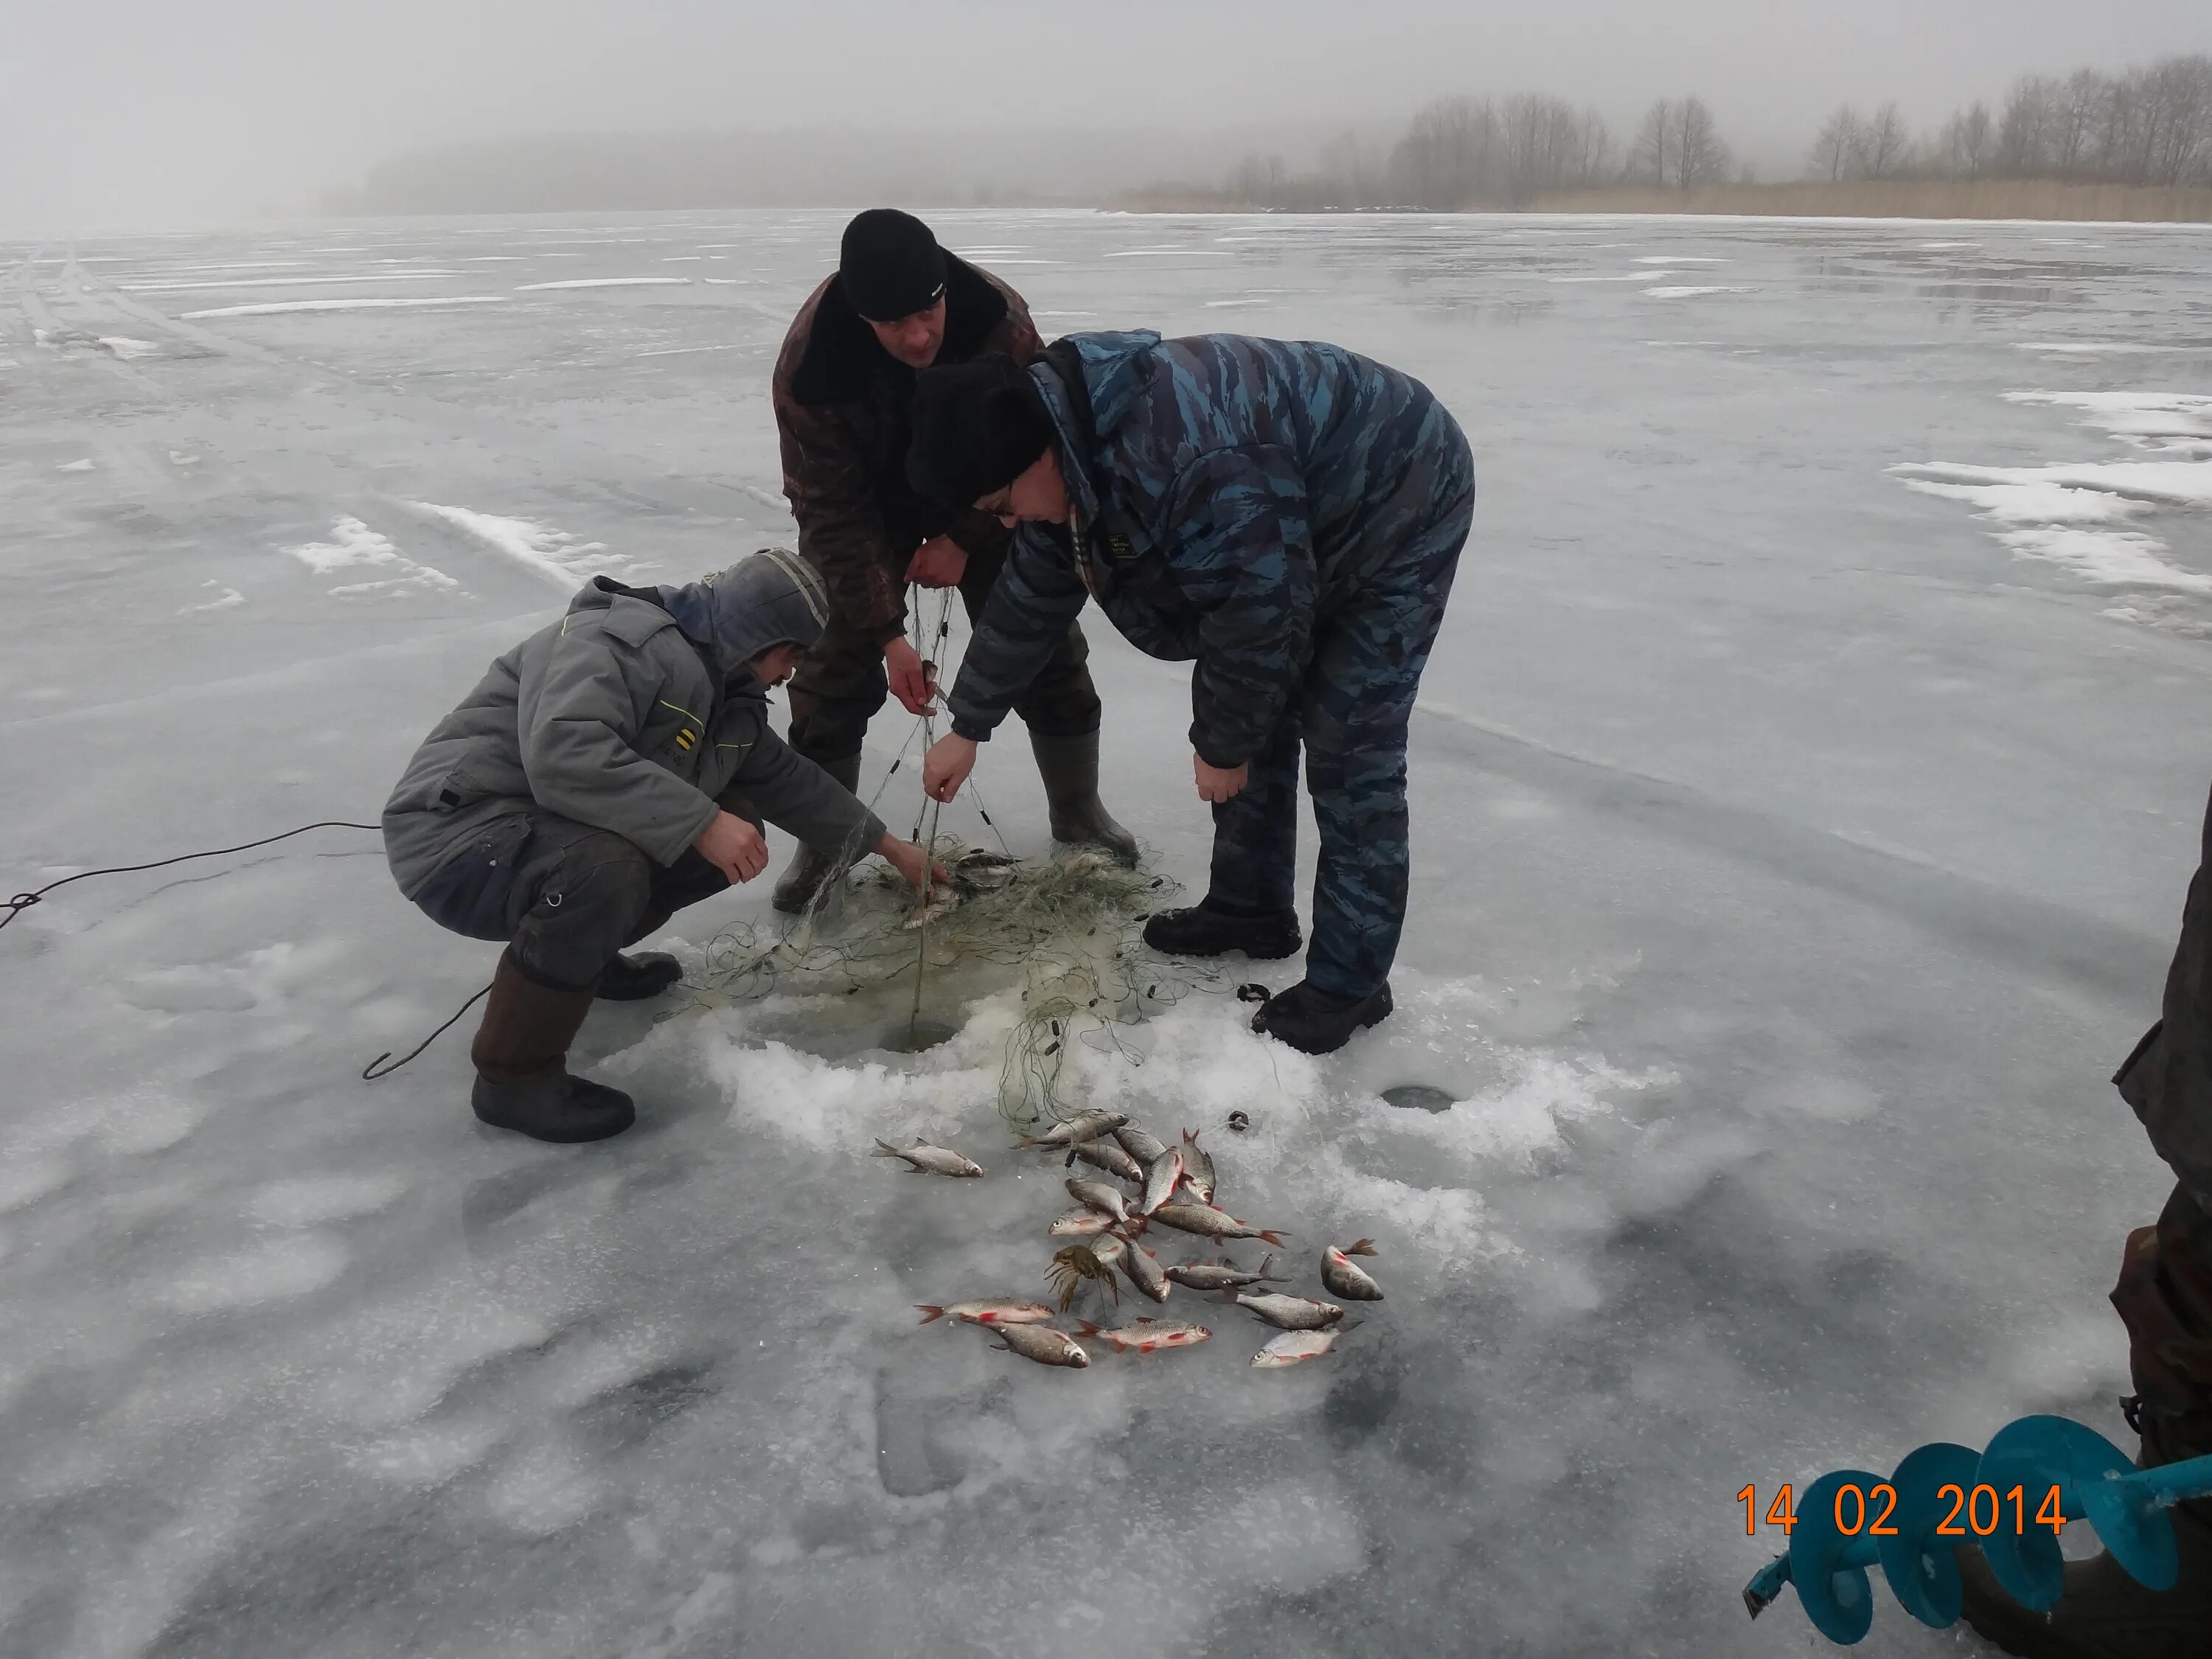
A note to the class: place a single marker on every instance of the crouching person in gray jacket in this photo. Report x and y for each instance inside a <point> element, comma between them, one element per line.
<point>609,770</point>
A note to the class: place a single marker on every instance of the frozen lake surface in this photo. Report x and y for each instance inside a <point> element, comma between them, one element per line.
<point>1805,788</point>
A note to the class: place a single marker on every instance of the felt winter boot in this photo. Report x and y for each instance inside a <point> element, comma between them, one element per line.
<point>811,871</point>
<point>1068,765</point>
<point>1316,1021</point>
<point>1211,928</point>
<point>521,1053</point>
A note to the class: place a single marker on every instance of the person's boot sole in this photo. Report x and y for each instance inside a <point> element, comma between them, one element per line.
<point>1370,1016</point>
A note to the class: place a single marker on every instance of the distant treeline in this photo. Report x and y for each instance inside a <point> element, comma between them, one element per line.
<point>2149,127</point>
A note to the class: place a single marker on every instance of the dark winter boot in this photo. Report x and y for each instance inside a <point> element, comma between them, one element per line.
<point>1069,767</point>
<point>2165,1299</point>
<point>811,872</point>
<point>521,1054</point>
<point>633,979</point>
<point>1211,928</point>
<point>1317,1021</point>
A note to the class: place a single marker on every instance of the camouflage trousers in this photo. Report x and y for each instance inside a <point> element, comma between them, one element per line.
<point>1350,711</point>
<point>840,683</point>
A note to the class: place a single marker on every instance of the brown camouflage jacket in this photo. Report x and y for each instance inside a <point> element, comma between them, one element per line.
<point>843,415</point>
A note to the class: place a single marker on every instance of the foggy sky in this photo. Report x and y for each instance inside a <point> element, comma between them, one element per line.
<point>177,111</point>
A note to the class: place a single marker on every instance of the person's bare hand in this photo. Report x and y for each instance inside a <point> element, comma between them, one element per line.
<point>946,766</point>
<point>908,860</point>
<point>912,681</point>
<point>734,847</point>
<point>1218,783</point>
<point>941,562</point>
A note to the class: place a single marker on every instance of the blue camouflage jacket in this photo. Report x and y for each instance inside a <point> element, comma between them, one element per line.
<point>1222,492</point>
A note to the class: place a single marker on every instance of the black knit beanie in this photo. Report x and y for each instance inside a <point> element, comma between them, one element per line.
<point>889,266</point>
<point>977,427</point>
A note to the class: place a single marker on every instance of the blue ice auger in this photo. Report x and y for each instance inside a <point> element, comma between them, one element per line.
<point>1938,1492</point>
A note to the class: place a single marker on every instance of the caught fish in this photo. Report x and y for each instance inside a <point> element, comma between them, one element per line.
<point>979,870</point>
<point>1044,1344</point>
<point>930,1160</point>
<point>943,900</point>
<point>1083,1126</point>
<point>1074,1264</point>
<point>1209,1223</point>
<point>1144,1271</point>
<point>1107,1200</point>
<point>1148,1335</point>
<point>1197,1168</point>
<point>1290,1313</point>
<point>1344,1280</point>
<point>1160,1184</point>
<point>1107,1154</point>
<point>1221,1276</point>
<point>1140,1144</point>
<point>1293,1347</point>
<point>1081,1223</point>
<point>993,1314</point>
<point>1110,1249</point>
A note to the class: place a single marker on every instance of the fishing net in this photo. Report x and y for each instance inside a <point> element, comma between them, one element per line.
<point>1067,930</point>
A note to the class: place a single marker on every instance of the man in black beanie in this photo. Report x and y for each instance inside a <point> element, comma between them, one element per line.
<point>842,390</point>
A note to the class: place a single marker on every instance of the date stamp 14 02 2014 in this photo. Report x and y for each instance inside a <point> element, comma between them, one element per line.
<point>1969,1511</point>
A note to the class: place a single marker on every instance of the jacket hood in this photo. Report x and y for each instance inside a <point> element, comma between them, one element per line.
<point>842,355</point>
<point>1114,370</point>
<point>762,600</point>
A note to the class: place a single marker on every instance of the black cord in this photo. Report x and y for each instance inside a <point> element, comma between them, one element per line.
<point>23,902</point>
<point>369,1074</point>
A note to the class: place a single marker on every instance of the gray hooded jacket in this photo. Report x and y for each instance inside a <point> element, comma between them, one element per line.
<point>634,713</point>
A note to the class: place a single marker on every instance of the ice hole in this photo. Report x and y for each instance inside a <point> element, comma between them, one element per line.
<point>1424,1095</point>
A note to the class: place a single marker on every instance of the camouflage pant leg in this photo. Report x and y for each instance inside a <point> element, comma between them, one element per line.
<point>839,686</point>
<point>1356,702</point>
<point>1255,831</point>
<point>1061,702</point>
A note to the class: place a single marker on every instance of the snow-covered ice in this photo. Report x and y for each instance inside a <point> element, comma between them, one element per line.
<point>1797,853</point>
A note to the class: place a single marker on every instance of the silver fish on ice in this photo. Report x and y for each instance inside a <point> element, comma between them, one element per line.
<point>1102,1198</point>
<point>1344,1280</point>
<point>1292,1347</point>
<point>1209,1223</point>
<point>1290,1313</point>
<point>1148,1335</point>
<point>1221,1275</point>
<point>1044,1344</point>
<point>993,1313</point>
<point>930,1160</point>
<point>1083,1223</point>
<point>1106,1154</point>
<point>1083,1126</point>
<point>1160,1184</point>
<point>1197,1167</point>
<point>1144,1271</point>
<point>1140,1143</point>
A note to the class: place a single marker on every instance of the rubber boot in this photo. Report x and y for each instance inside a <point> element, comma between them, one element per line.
<point>1316,1021</point>
<point>812,871</point>
<point>2165,1299</point>
<point>1210,928</point>
<point>521,1053</point>
<point>633,979</point>
<point>1068,764</point>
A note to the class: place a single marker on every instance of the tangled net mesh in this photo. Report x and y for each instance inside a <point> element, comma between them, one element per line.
<point>1071,926</point>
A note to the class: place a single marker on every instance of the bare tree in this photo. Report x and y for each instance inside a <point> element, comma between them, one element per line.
<point>1885,143</point>
<point>1701,157</point>
<point>1838,146</point>
<point>1969,142</point>
<point>1651,157</point>
<point>1445,160</point>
